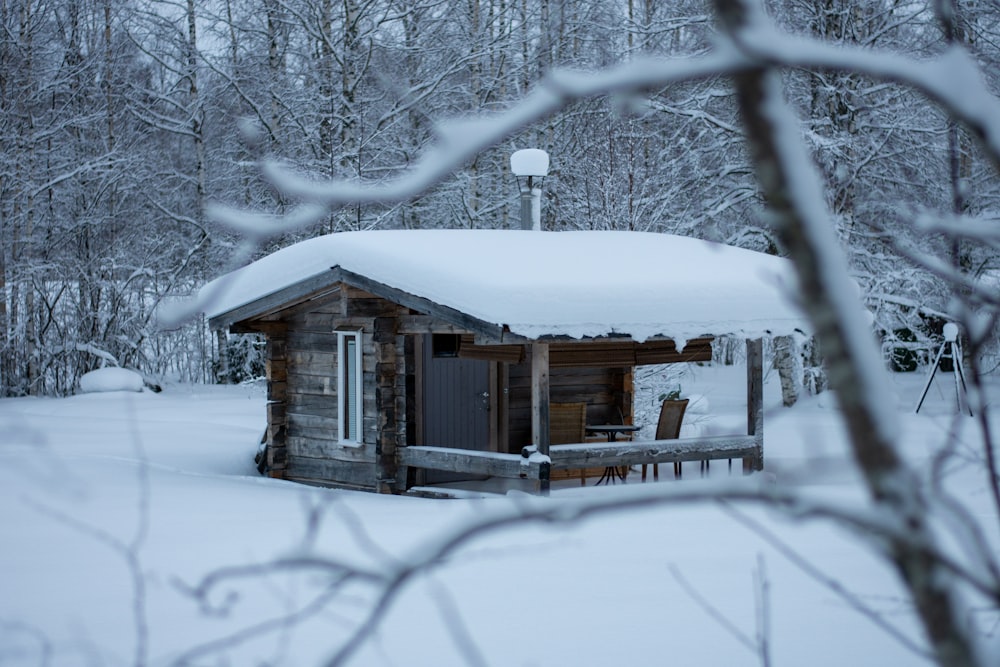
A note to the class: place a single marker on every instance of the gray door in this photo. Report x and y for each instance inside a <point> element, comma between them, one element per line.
<point>456,405</point>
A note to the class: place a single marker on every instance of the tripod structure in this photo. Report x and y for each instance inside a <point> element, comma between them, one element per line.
<point>951,348</point>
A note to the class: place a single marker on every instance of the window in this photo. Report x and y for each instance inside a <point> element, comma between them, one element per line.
<point>349,390</point>
<point>445,345</point>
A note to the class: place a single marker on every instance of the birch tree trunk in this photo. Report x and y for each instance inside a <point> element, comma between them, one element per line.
<point>23,235</point>
<point>6,190</point>
<point>197,109</point>
<point>788,363</point>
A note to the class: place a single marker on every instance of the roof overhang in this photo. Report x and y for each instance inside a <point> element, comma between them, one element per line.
<point>323,284</point>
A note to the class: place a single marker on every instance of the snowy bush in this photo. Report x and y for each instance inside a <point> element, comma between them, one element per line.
<point>110,379</point>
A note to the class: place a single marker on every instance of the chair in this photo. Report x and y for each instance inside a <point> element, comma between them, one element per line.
<point>668,428</point>
<point>567,425</point>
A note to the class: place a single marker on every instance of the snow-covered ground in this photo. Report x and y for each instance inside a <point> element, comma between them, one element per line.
<point>78,476</point>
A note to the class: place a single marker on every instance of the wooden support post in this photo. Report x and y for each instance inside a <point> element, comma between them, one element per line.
<point>755,402</point>
<point>540,408</point>
<point>384,343</point>
<point>404,407</point>
<point>277,396</point>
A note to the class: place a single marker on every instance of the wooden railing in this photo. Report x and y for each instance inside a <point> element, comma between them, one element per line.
<point>469,461</point>
<point>635,452</point>
<point>585,455</point>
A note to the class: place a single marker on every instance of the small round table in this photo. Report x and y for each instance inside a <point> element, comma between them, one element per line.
<point>611,473</point>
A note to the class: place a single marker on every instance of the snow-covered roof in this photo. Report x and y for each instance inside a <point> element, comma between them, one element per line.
<point>536,284</point>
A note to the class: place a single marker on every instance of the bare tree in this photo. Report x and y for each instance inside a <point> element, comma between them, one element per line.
<point>942,581</point>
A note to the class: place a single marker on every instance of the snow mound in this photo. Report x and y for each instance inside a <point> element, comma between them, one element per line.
<point>110,379</point>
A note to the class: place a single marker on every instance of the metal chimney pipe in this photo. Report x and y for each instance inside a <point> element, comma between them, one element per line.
<point>527,165</point>
<point>531,217</point>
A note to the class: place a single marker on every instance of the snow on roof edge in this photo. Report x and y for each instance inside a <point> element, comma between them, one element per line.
<point>547,284</point>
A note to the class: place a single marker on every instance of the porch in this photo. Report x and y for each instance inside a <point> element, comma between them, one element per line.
<point>537,462</point>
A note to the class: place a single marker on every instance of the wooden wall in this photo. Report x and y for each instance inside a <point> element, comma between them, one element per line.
<point>277,394</point>
<point>606,391</point>
<point>302,378</point>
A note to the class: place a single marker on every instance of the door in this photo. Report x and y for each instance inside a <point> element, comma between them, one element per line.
<point>456,403</point>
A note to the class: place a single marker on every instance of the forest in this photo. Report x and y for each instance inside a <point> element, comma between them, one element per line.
<point>124,122</point>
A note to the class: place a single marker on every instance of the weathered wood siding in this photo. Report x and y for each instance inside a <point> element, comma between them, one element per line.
<point>302,373</point>
<point>314,455</point>
<point>606,391</point>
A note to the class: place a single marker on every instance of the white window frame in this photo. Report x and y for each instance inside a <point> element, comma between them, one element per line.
<point>356,384</point>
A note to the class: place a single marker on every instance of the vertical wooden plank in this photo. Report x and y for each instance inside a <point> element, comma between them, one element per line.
<point>628,389</point>
<point>540,407</point>
<point>420,342</point>
<point>384,348</point>
<point>418,387</point>
<point>503,402</point>
<point>403,399</point>
<point>755,401</point>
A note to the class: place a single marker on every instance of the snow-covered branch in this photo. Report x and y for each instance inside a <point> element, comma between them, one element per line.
<point>951,79</point>
<point>793,190</point>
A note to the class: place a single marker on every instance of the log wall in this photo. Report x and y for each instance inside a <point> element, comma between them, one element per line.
<point>277,396</point>
<point>302,378</point>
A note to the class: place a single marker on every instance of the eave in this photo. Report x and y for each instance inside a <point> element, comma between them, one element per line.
<point>328,282</point>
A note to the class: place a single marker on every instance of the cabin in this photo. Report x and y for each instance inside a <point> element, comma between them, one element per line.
<point>398,359</point>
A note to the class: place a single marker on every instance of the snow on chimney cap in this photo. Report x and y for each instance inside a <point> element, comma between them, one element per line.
<point>529,162</point>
